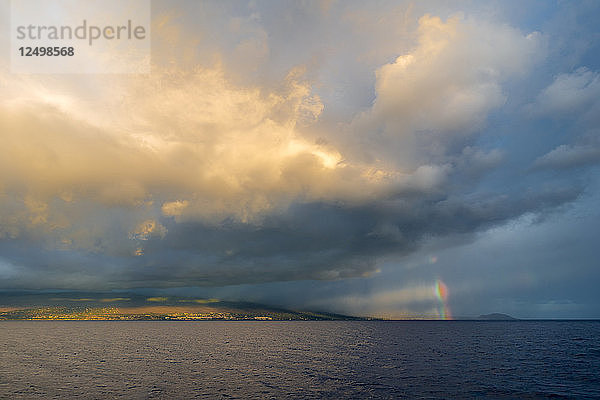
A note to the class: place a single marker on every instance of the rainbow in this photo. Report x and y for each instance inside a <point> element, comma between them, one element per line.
<point>441,292</point>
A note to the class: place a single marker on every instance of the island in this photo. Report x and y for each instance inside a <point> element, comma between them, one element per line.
<point>496,317</point>
<point>135,307</point>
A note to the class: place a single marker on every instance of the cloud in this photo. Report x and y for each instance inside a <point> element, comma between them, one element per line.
<point>147,229</point>
<point>308,241</point>
<point>568,156</point>
<point>443,90</point>
<point>572,102</point>
<point>191,176</point>
<point>578,92</point>
<point>179,138</point>
<point>6,270</point>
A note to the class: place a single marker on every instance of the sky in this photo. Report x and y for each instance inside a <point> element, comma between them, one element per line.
<point>388,158</point>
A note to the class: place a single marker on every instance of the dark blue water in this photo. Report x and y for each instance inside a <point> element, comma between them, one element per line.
<point>409,359</point>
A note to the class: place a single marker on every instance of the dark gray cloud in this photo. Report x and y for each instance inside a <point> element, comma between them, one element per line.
<point>309,241</point>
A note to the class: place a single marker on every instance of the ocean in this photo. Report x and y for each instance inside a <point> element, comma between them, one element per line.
<point>303,359</point>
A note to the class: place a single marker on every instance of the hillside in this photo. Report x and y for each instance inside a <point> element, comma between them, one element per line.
<point>109,306</point>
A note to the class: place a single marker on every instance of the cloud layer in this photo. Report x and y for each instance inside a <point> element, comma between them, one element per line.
<point>211,172</point>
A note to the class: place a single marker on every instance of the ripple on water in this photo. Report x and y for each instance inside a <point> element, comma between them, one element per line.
<point>409,359</point>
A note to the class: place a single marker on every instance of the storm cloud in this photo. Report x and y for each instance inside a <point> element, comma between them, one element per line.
<point>239,161</point>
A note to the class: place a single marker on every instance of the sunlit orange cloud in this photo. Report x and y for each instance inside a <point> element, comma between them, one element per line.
<point>188,141</point>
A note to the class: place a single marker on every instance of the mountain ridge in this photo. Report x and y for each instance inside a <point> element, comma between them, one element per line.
<point>128,306</point>
<point>496,317</point>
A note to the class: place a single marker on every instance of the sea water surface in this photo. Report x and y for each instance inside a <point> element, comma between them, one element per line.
<point>262,360</point>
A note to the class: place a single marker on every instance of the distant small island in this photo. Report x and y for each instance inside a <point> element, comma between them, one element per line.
<point>496,317</point>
